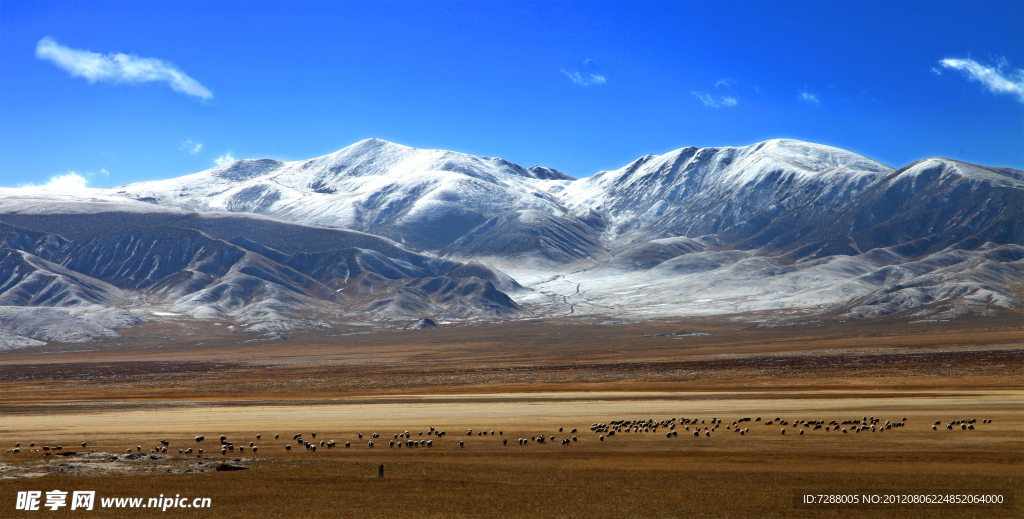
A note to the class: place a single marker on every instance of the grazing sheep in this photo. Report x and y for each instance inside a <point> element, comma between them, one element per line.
<point>601,437</point>
<point>241,448</point>
<point>250,444</point>
<point>801,432</point>
<point>370,443</point>
<point>934,428</point>
<point>504,442</point>
<point>347,445</point>
<point>223,438</point>
<point>257,436</point>
<point>138,448</point>
<point>275,436</point>
<point>288,448</point>
<point>254,449</point>
<point>360,436</point>
<point>462,443</point>
<point>181,451</point>
<point>783,431</point>
<point>83,445</point>
<point>200,451</point>
<point>314,435</point>
<point>391,443</point>
<point>223,452</point>
<point>128,451</point>
<point>200,438</point>
<point>164,443</point>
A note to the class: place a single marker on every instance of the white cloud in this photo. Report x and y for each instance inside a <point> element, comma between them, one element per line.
<point>192,147</point>
<point>67,182</point>
<point>584,79</point>
<point>810,98</point>
<point>119,68</point>
<point>709,100</point>
<point>105,173</point>
<point>727,83</point>
<point>936,71</point>
<point>993,78</point>
<point>224,159</point>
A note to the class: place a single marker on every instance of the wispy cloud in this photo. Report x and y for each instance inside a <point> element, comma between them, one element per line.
<point>810,98</point>
<point>936,71</point>
<point>725,83</point>
<point>710,100</point>
<point>119,68</point>
<point>996,79</point>
<point>584,79</point>
<point>224,159</point>
<point>192,147</point>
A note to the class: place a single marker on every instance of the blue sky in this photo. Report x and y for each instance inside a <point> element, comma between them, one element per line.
<point>119,92</point>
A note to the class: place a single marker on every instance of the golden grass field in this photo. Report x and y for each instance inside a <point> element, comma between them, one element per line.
<point>522,380</point>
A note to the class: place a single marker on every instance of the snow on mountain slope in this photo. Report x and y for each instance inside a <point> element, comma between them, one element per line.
<point>28,280</point>
<point>920,209</point>
<point>795,228</point>
<point>729,192</point>
<point>427,198</point>
<point>116,271</point>
<point>42,244</point>
<point>727,282</point>
<point>541,240</point>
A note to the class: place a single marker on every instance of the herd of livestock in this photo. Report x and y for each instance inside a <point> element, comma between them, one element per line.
<point>705,428</point>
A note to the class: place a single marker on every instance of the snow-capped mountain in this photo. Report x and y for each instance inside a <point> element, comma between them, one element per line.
<point>425,198</point>
<point>732,193</point>
<point>383,231</point>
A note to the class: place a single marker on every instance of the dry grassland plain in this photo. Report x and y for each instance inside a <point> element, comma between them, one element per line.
<point>526,380</point>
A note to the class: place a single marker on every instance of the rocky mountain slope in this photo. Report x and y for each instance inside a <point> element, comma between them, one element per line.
<point>113,270</point>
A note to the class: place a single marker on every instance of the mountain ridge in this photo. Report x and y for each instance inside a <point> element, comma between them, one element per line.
<point>387,232</point>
